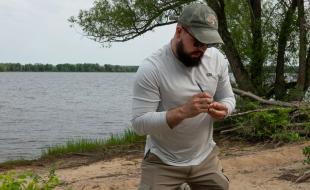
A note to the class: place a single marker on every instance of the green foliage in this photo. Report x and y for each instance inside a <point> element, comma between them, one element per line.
<point>128,137</point>
<point>238,20</point>
<point>264,125</point>
<point>295,94</point>
<point>286,136</point>
<point>122,20</point>
<point>28,181</point>
<point>306,152</point>
<point>86,67</point>
<point>269,123</point>
<point>91,145</point>
<point>245,104</point>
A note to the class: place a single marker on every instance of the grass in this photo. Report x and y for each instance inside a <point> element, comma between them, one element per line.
<point>114,145</point>
<point>92,145</point>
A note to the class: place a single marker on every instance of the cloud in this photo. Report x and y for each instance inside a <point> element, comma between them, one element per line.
<point>38,31</point>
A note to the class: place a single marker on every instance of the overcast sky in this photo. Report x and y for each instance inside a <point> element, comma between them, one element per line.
<point>37,31</point>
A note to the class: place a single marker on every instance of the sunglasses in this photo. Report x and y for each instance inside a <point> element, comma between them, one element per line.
<point>197,43</point>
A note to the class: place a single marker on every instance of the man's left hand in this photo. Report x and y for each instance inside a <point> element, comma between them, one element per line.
<point>217,110</point>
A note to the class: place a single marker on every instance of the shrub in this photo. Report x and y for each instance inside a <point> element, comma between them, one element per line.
<point>306,152</point>
<point>28,181</point>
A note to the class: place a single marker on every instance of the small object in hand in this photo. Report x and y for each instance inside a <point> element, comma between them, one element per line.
<point>199,87</point>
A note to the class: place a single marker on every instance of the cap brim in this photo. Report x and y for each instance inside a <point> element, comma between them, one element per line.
<point>207,36</point>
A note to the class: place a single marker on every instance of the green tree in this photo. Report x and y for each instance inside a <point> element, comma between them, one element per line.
<point>250,29</point>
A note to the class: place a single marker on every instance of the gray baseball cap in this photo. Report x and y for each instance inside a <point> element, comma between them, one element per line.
<point>202,22</point>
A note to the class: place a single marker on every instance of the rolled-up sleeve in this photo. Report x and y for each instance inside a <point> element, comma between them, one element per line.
<point>224,93</point>
<point>146,119</point>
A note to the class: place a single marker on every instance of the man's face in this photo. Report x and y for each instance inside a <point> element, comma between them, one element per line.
<point>189,50</point>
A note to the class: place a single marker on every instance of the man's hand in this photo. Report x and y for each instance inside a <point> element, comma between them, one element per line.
<point>217,110</point>
<point>199,103</point>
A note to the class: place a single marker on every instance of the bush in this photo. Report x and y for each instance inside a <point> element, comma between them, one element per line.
<point>266,125</point>
<point>267,122</point>
<point>306,152</point>
<point>28,181</point>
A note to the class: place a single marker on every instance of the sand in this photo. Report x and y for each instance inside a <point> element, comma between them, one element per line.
<point>250,168</point>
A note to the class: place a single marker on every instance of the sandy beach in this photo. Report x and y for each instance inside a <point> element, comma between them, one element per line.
<point>250,168</point>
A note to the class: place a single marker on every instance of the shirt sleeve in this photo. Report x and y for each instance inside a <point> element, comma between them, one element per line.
<point>224,93</point>
<point>146,120</point>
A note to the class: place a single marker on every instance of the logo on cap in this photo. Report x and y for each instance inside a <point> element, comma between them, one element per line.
<point>211,19</point>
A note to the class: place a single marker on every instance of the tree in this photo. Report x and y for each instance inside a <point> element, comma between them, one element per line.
<point>240,73</point>
<point>285,31</point>
<point>301,81</point>
<point>258,55</point>
<point>250,29</point>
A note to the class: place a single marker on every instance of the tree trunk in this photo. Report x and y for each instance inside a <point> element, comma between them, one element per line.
<point>257,59</point>
<point>307,83</point>
<point>240,73</point>
<point>299,91</point>
<point>285,30</point>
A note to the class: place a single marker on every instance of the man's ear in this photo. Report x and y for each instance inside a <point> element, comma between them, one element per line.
<point>178,31</point>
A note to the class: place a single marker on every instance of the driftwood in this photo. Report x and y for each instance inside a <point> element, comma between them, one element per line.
<point>230,130</point>
<point>263,101</point>
<point>297,106</point>
<point>252,111</point>
<point>303,177</point>
<point>299,124</point>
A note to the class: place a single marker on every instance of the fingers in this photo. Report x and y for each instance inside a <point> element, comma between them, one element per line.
<point>202,95</point>
<point>217,110</point>
<point>202,98</point>
<point>217,114</point>
<point>204,103</point>
<point>218,106</point>
<point>207,101</point>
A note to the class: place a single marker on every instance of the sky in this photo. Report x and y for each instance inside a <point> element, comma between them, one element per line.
<point>37,31</point>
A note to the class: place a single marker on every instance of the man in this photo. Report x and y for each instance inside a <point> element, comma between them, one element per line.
<point>179,91</point>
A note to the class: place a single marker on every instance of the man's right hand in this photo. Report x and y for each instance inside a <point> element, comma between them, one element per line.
<point>198,103</point>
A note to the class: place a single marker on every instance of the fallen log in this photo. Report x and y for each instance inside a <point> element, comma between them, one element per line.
<point>230,130</point>
<point>303,177</point>
<point>253,111</point>
<point>263,101</point>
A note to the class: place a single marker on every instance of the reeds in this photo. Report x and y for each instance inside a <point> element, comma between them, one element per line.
<point>92,145</point>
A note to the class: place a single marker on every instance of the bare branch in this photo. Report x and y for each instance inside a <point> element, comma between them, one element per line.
<point>303,177</point>
<point>261,100</point>
<point>253,111</point>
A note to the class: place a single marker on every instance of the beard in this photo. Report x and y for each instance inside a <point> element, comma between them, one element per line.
<point>186,58</point>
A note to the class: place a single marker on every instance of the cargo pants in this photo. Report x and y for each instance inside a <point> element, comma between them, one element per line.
<point>208,175</point>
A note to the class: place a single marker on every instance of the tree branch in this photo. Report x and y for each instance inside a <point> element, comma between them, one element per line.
<point>263,101</point>
<point>303,177</point>
<point>253,111</point>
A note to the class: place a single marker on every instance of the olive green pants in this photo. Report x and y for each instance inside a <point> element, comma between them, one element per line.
<point>206,176</point>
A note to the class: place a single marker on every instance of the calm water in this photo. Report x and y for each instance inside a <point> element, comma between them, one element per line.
<point>42,109</point>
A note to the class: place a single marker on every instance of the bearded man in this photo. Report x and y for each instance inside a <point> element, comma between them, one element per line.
<point>178,93</point>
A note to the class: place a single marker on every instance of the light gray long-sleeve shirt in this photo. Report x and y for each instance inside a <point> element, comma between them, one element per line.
<point>162,83</point>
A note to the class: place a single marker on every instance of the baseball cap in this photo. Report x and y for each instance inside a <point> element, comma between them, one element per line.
<point>202,22</point>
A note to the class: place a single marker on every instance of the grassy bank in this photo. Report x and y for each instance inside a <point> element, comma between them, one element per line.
<point>116,143</point>
<point>93,145</point>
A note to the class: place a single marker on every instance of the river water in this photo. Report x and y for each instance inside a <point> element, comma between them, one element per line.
<point>38,110</point>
